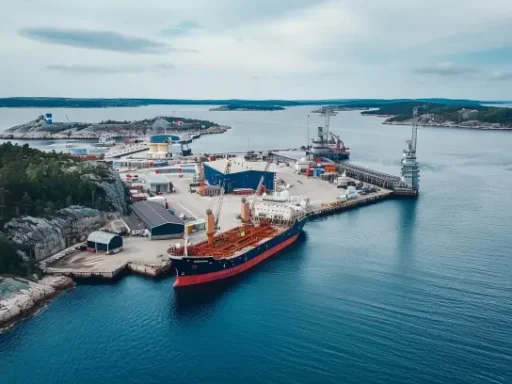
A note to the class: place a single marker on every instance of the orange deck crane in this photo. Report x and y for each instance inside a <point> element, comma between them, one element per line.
<point>212,220</point>
<point>202,183</point>
<point>260,184</point>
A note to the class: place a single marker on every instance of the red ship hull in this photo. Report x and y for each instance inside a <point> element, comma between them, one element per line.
<point>182,281</point>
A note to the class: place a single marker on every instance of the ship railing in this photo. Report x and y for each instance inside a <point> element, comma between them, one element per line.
<point>281,221</point>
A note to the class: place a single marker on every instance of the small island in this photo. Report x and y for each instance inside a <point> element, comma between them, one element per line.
<point>340,108</point>
<point>248,107</point>
<point>44,128</point>
<point>440,115</point>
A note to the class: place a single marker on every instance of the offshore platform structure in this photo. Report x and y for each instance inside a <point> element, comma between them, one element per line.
<point>410,170</point>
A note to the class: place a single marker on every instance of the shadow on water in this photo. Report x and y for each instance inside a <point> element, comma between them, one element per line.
<point>406,232</point>
<point>193,301</point>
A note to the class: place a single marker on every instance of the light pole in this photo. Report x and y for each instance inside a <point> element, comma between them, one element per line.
<point>307,144</point>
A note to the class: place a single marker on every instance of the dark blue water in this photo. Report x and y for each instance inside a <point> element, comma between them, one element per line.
<point>398,292</point>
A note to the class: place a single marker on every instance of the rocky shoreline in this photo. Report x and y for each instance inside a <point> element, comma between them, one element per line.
<point>447,124</point>
<point>23,297</point>
<point>429,120</point>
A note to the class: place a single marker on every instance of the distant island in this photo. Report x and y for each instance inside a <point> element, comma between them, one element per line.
<point>247,107</point>
<point>435,114</point>
<point>41,128</point>
<point>64,102</point>
<point>340,108</point>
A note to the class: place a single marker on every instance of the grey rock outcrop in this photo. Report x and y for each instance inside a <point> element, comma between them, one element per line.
<point>114,192</point>
<point>46,236</point>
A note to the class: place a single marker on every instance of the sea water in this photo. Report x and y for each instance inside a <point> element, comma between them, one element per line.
<point>403,291</point>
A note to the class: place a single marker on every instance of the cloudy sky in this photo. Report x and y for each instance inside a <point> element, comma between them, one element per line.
<point>295,49</point>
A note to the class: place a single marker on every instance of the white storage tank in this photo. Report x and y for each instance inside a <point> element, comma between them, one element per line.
<point>175,148</point>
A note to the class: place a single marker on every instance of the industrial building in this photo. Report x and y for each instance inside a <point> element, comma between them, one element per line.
<point>160,223</point>
<point>134,225</point>
<point>156,182</point>
<point>104,242</point>
<point>240,174</point>
<point>168,150</point>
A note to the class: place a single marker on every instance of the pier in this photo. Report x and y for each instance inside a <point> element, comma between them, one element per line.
<point>139,255</point>
<point>126,151</point>
<point>152,270</point>
<point>338,207</point>
<point>371,176</point>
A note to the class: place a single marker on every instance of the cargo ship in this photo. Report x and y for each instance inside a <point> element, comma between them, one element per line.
<point>267,228</point>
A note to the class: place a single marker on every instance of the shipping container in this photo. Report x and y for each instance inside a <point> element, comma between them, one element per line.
<point>243,191</point>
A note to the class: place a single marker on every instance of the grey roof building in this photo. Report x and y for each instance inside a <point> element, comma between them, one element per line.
<point>158,221</point>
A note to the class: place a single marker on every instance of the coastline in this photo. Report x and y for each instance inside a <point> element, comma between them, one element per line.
<point>474,124</point>
<point>27,302</point>
<point>43,128</point>
<point>451,125</point>
<point>94,136</point>
<point>245,109</point>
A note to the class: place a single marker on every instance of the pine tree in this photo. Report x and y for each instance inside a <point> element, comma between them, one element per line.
<point>27,203</point>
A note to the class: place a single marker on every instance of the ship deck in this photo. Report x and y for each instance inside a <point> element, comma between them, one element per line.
<point>232,242</point>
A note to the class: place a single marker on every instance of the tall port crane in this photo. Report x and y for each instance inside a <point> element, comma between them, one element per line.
<point>222,192</point>
<point>212,220</point>
<point>260,184</point>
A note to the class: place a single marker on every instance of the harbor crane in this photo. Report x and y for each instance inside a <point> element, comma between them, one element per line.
<point>410,170</point>
<point>260,184</point>
<point>339,143</point>
<point>212,220</point>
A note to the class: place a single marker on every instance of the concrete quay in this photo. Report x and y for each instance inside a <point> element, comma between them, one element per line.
<point>139,255</point>
<point>127,150</point>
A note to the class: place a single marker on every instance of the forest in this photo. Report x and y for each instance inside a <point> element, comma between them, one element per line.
<point>63,102</point>
<point>39,183</point>
<point>403,111</point>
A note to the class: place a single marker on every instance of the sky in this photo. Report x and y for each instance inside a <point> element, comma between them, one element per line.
<point>257,49</point>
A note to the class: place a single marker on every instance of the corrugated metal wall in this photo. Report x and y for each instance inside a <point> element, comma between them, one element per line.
<point>247,179</point>
<point>167,231</point>
<point>115,243</point>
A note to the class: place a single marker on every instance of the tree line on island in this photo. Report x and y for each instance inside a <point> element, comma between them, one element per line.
<point>453,113</point>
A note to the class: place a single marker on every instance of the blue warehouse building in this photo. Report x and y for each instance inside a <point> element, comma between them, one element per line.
<point>241,174</point>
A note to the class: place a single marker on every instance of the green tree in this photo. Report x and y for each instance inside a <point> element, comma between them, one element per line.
<point>49,208</point>
<point>27,204</point>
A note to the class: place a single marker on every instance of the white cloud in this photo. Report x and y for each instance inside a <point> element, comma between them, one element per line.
<point>370,48</point>
<point>502,76</point>
<point>445,69</point>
